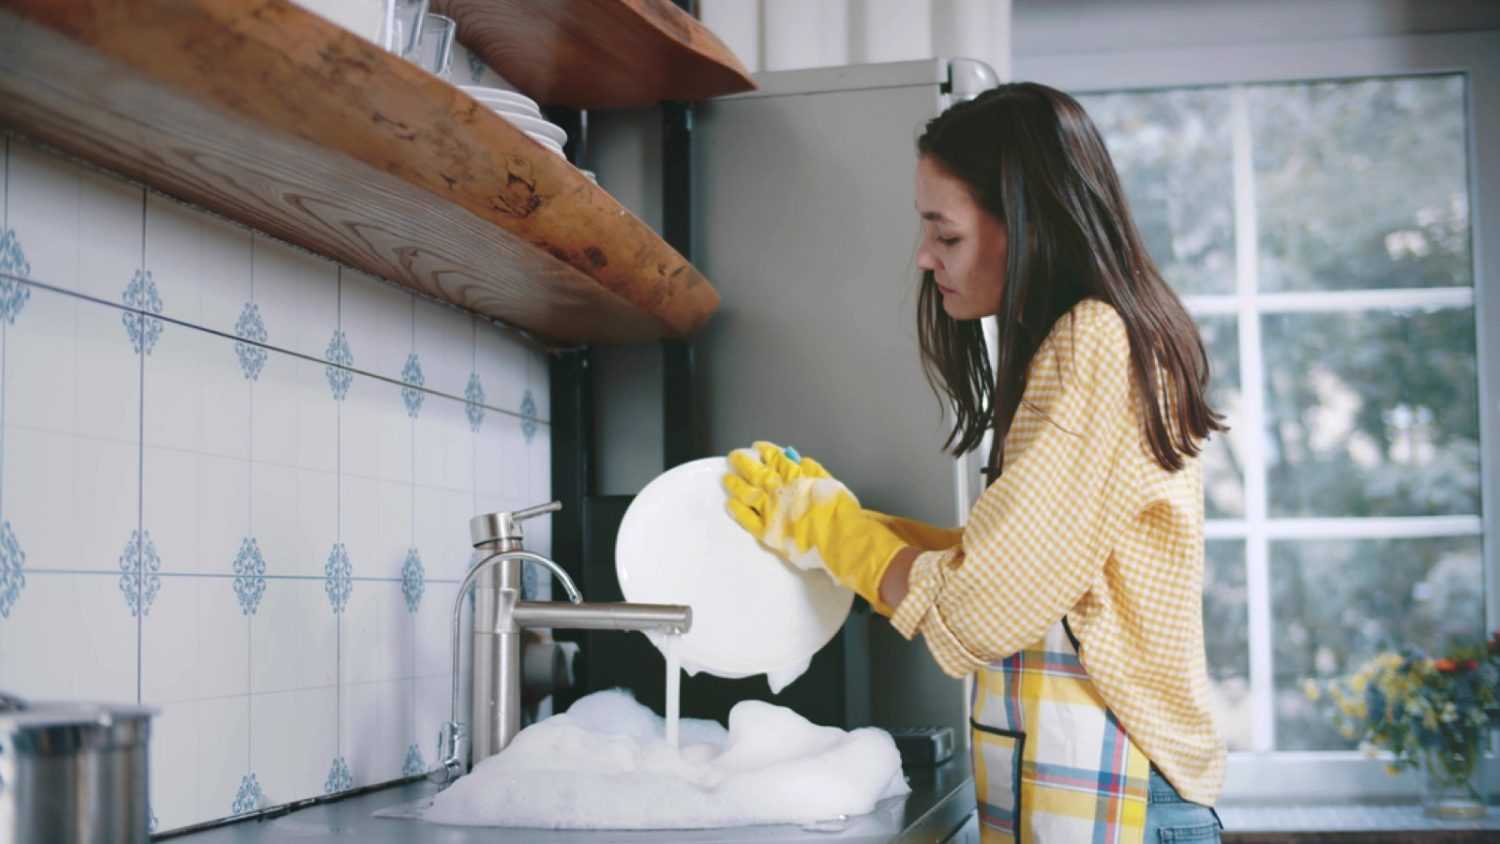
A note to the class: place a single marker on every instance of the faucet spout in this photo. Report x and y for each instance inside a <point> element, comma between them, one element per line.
<point>658,618</point>
<point>499,621</point>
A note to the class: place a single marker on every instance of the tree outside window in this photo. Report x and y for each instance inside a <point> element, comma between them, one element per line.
<point>1319,232</point>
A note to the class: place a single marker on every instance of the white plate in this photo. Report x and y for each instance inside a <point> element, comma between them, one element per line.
<point>753,613</point>
<point>467,67</point>
<point>499,95</point>
<point>535,124</point>
<point>547,142</point>
<point>510,107</point>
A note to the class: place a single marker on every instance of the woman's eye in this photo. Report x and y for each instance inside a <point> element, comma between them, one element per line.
<point>947,241</point>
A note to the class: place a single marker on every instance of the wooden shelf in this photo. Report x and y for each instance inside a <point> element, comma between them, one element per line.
<point>598,53</point>
<point>277,118</point>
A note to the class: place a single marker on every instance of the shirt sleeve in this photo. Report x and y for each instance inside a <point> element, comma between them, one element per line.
<point>1039,537</point>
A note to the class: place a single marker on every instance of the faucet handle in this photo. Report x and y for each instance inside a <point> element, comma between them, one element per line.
<point>499,527</point>
<point>538,510</point>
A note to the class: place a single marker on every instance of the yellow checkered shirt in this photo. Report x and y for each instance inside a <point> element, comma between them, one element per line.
<point>1085,522</point>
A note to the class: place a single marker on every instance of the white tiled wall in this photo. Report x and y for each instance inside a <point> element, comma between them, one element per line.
<point>198,511</point>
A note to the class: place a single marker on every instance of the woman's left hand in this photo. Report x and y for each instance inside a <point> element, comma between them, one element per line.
<point>792,505</point>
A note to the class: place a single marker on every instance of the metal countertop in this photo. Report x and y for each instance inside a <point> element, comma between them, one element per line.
<point>941,800</point>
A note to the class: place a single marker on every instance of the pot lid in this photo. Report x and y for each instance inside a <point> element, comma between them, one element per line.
<point>68,726</point>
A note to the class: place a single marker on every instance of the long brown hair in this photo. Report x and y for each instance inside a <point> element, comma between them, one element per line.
<point>1032,158</point>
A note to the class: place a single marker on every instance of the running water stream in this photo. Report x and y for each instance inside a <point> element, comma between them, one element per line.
<point>674,688</point>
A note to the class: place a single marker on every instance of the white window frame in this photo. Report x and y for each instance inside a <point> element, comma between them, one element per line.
<point>1261,775</point>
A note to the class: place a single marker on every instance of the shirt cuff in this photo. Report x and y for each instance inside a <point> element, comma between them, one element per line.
<point>918,612</point>
<point>922,585</point>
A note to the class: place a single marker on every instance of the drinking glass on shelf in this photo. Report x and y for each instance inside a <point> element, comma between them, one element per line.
<point>434,47</point>
<point>404,24</point>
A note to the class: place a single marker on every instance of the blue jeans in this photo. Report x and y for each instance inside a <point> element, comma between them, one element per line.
<point>1169,818</point>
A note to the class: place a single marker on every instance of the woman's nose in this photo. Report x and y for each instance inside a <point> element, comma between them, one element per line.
<point>925,259</point>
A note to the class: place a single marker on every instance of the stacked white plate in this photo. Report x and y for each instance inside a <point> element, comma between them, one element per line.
<point>522,112</point>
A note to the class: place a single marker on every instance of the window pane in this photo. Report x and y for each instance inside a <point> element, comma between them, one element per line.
<point>1226,628</point>
<point>1173,152</point>
<point>1372,414</point>
<point>1223,475</point>
<point>1335,603</point>
<point>1361,184</point>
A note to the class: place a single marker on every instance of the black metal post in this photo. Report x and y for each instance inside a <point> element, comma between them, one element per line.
<point>572,454</point>
<point>681,439</point>
<point>571,380</point>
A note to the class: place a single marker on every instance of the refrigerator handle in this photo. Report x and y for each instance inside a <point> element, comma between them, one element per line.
<point>967,79</point>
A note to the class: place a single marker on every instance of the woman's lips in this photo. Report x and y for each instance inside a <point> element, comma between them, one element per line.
<point>947,291</point>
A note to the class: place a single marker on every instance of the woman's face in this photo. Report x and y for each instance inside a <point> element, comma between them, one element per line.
<point>962,244</point>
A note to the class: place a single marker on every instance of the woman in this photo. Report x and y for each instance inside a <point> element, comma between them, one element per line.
<point>1074,592</point>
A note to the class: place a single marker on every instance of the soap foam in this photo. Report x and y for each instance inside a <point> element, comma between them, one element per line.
<point>606,764</point>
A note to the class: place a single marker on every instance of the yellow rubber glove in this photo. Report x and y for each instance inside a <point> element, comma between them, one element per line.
<point>793,506</point>
<point>912,532</point>
<point>920,534</point>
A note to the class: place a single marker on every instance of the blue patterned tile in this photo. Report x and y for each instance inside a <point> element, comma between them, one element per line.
<point>411,394</point>
<point>13,294</point>
<point>412,579</point>
<point>142,299</point>
<point>12,578</point>
<point>339,358</point>
<point>141,573</point>
<point>476,67</point>
<point>249,797</point>
<point>338,577</point>
<point>528,415</point>
<point>474,401</point>
<point>339,777</point>
<point>414,764</point>
<point>250,327</point>
<point>249,575</point>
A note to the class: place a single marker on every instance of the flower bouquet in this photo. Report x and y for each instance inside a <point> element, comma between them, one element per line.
<point>1435,714</point>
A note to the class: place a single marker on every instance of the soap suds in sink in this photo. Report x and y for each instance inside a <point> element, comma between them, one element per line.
<point>606,764</point>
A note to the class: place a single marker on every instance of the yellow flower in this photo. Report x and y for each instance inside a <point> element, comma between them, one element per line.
<point>1311,689</point>
<point>1391,688</point>
<point>1358,682</point>
<point>1392,770</point>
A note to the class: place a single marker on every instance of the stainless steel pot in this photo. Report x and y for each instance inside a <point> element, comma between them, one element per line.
<point>73,772</point>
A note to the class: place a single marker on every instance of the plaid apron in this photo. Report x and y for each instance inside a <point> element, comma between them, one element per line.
<point>1051,763</point>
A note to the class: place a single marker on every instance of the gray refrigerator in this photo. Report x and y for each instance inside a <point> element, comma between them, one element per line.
<point>805,222</point>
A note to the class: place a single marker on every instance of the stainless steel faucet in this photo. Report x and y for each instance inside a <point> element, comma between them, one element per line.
<point>499,618</point>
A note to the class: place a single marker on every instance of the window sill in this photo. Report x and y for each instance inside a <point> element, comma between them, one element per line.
<point>1284,824</point>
